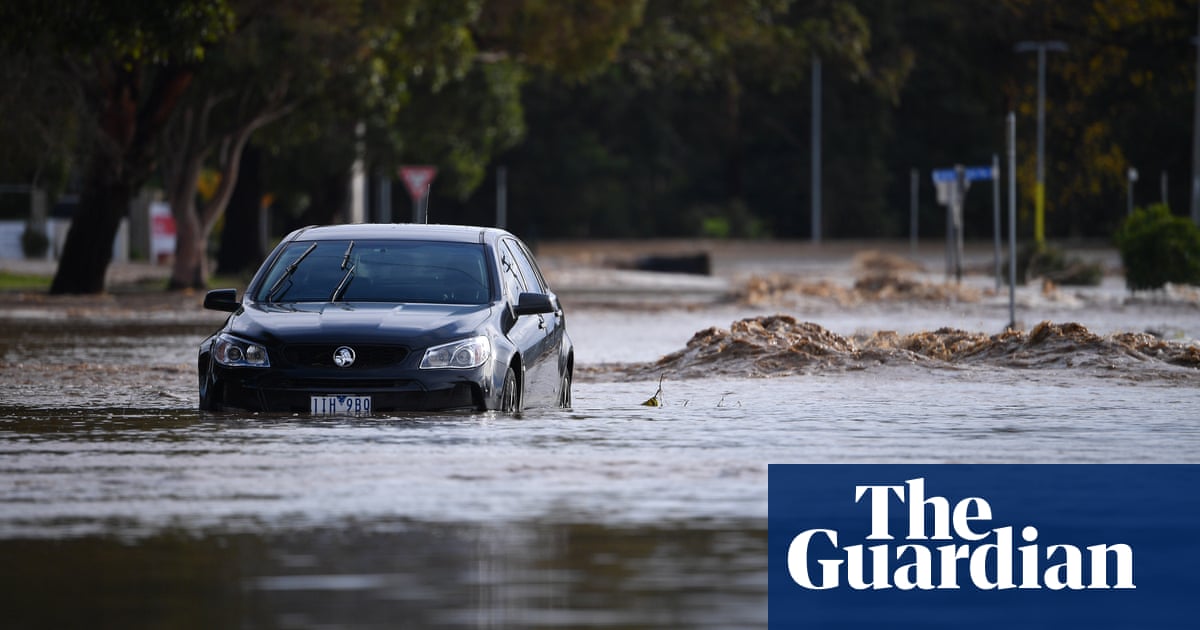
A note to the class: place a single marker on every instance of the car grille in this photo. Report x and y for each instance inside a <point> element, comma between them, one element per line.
<point>321,355</point>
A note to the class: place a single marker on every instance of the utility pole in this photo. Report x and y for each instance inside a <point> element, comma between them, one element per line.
<point>816,151</point>
<point>1039,190</point>
<point>1011,128</point>
<point>1196,132</point>
<point>502,197</point>
<point>1131,176</point>
<point>914,186</point>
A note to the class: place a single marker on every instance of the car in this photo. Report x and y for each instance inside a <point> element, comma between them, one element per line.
<point>369,318</point>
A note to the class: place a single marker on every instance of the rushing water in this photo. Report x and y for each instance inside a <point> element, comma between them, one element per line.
<point>120,505</point>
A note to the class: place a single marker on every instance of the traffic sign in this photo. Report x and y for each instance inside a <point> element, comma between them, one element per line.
<point>972,174</point>
<point>417,180</point>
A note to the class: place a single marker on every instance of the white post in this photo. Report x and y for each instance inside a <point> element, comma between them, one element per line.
<point>996,215</point>
<point>1012,220</point>
<point>502,197</point>
<point>358,179</point>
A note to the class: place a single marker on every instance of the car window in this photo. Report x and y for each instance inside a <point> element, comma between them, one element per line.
<point>511,273</point>
<point>529,268</point>
<point>529,278</point>
<point>379,271</point>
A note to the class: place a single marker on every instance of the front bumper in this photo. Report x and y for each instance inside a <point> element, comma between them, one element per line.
<point>423,390</point>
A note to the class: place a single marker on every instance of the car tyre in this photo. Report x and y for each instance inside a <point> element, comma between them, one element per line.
<point>210,398</point>
<point>510,393</point>
<point>564,395</point>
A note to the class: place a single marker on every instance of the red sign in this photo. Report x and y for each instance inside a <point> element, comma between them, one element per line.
<point>417,180</point>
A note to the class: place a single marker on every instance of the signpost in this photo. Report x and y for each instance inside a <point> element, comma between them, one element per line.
<point>418,179</point>
<point>952,185</point>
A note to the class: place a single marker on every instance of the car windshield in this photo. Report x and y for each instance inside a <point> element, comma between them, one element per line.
<point>378,271</point>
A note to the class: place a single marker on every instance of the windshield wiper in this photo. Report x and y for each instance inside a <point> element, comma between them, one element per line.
<point>288,271</point>
<point>341,287</point>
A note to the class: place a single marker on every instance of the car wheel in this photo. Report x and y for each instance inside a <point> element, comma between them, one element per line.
<point>510,394</point>
<point>210,399</point>
<point>564,395</point>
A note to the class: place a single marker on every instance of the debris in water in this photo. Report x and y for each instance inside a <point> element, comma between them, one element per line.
<point>778,345</point>
<point>875,286</point>
<point>656,399</point>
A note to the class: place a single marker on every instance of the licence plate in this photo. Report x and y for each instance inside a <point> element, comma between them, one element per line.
<point>340,405</point>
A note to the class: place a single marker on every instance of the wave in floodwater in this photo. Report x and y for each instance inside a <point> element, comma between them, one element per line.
<point>779,345</point>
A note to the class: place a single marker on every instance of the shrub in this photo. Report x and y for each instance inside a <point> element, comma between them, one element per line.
<point>1158,247</point>
<point>1053,264</point>
<point>34,243</point>
<point>731,220</point>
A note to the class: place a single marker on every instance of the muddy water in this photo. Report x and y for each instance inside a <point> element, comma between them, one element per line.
<point>114,491</point>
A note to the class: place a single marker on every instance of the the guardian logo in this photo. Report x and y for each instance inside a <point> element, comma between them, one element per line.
<point>948,546</point>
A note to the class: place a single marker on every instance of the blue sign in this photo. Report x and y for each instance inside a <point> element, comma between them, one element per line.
<point>983,546</point>
<point>972,174</point>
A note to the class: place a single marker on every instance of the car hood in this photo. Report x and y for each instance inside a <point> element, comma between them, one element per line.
<point>414,325</point>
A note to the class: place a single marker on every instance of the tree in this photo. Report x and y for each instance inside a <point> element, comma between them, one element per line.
<point>701,117</point>
<point>1118,97</point>
<point>410,74</point>
<point>258,75</point>
<point>133,63</point>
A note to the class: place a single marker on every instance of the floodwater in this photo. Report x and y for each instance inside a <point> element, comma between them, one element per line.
<point>122,506</point>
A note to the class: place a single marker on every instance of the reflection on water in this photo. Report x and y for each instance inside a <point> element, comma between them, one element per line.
<point>389,575</point>
<point>120,499</point>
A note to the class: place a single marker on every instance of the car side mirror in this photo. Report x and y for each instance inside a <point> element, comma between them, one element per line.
<point>533,304</point>
<point>222,300</point>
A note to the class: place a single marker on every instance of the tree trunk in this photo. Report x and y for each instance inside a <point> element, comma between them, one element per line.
<point>121,160</point>
<point>190,270</point>
<point>87,251</point>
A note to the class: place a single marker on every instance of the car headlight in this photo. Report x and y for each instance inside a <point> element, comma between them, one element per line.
<point>233,352</point>
<point>467,353</point>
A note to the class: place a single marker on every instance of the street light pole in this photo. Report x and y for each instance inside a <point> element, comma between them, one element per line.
<point>1132,176</point>
<point>1196,133</point>
<point>1039,189</point>
<point>816,151</point>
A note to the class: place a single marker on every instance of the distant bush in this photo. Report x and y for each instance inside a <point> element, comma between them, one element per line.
<point>34,243</point>
<point>1158,247</point>
<point>1054,265</point>
<point>732,220</point>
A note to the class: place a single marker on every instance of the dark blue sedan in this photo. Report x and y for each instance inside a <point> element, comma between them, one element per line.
<point>358,319</point>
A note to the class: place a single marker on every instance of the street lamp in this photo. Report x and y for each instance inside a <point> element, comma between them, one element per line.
<point>1039,190</point>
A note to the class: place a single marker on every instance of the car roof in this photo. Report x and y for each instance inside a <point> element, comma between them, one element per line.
<point>399,232</point>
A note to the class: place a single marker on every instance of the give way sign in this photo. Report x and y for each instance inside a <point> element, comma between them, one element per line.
<point>417,180</point>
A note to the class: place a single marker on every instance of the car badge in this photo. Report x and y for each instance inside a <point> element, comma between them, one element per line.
<point>343,357</point>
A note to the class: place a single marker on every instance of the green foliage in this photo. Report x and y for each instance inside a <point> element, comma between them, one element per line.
<point>1158,247</point>
<point>23,282</point>
<point>1055,265</point>
<point>733,220</point>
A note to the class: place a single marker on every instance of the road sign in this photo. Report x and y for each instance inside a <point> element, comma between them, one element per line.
<point>972,174</point>
<point>417,180</point>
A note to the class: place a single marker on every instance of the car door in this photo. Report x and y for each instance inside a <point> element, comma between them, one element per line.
<point>555,323</point>
<point>536,340</point>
